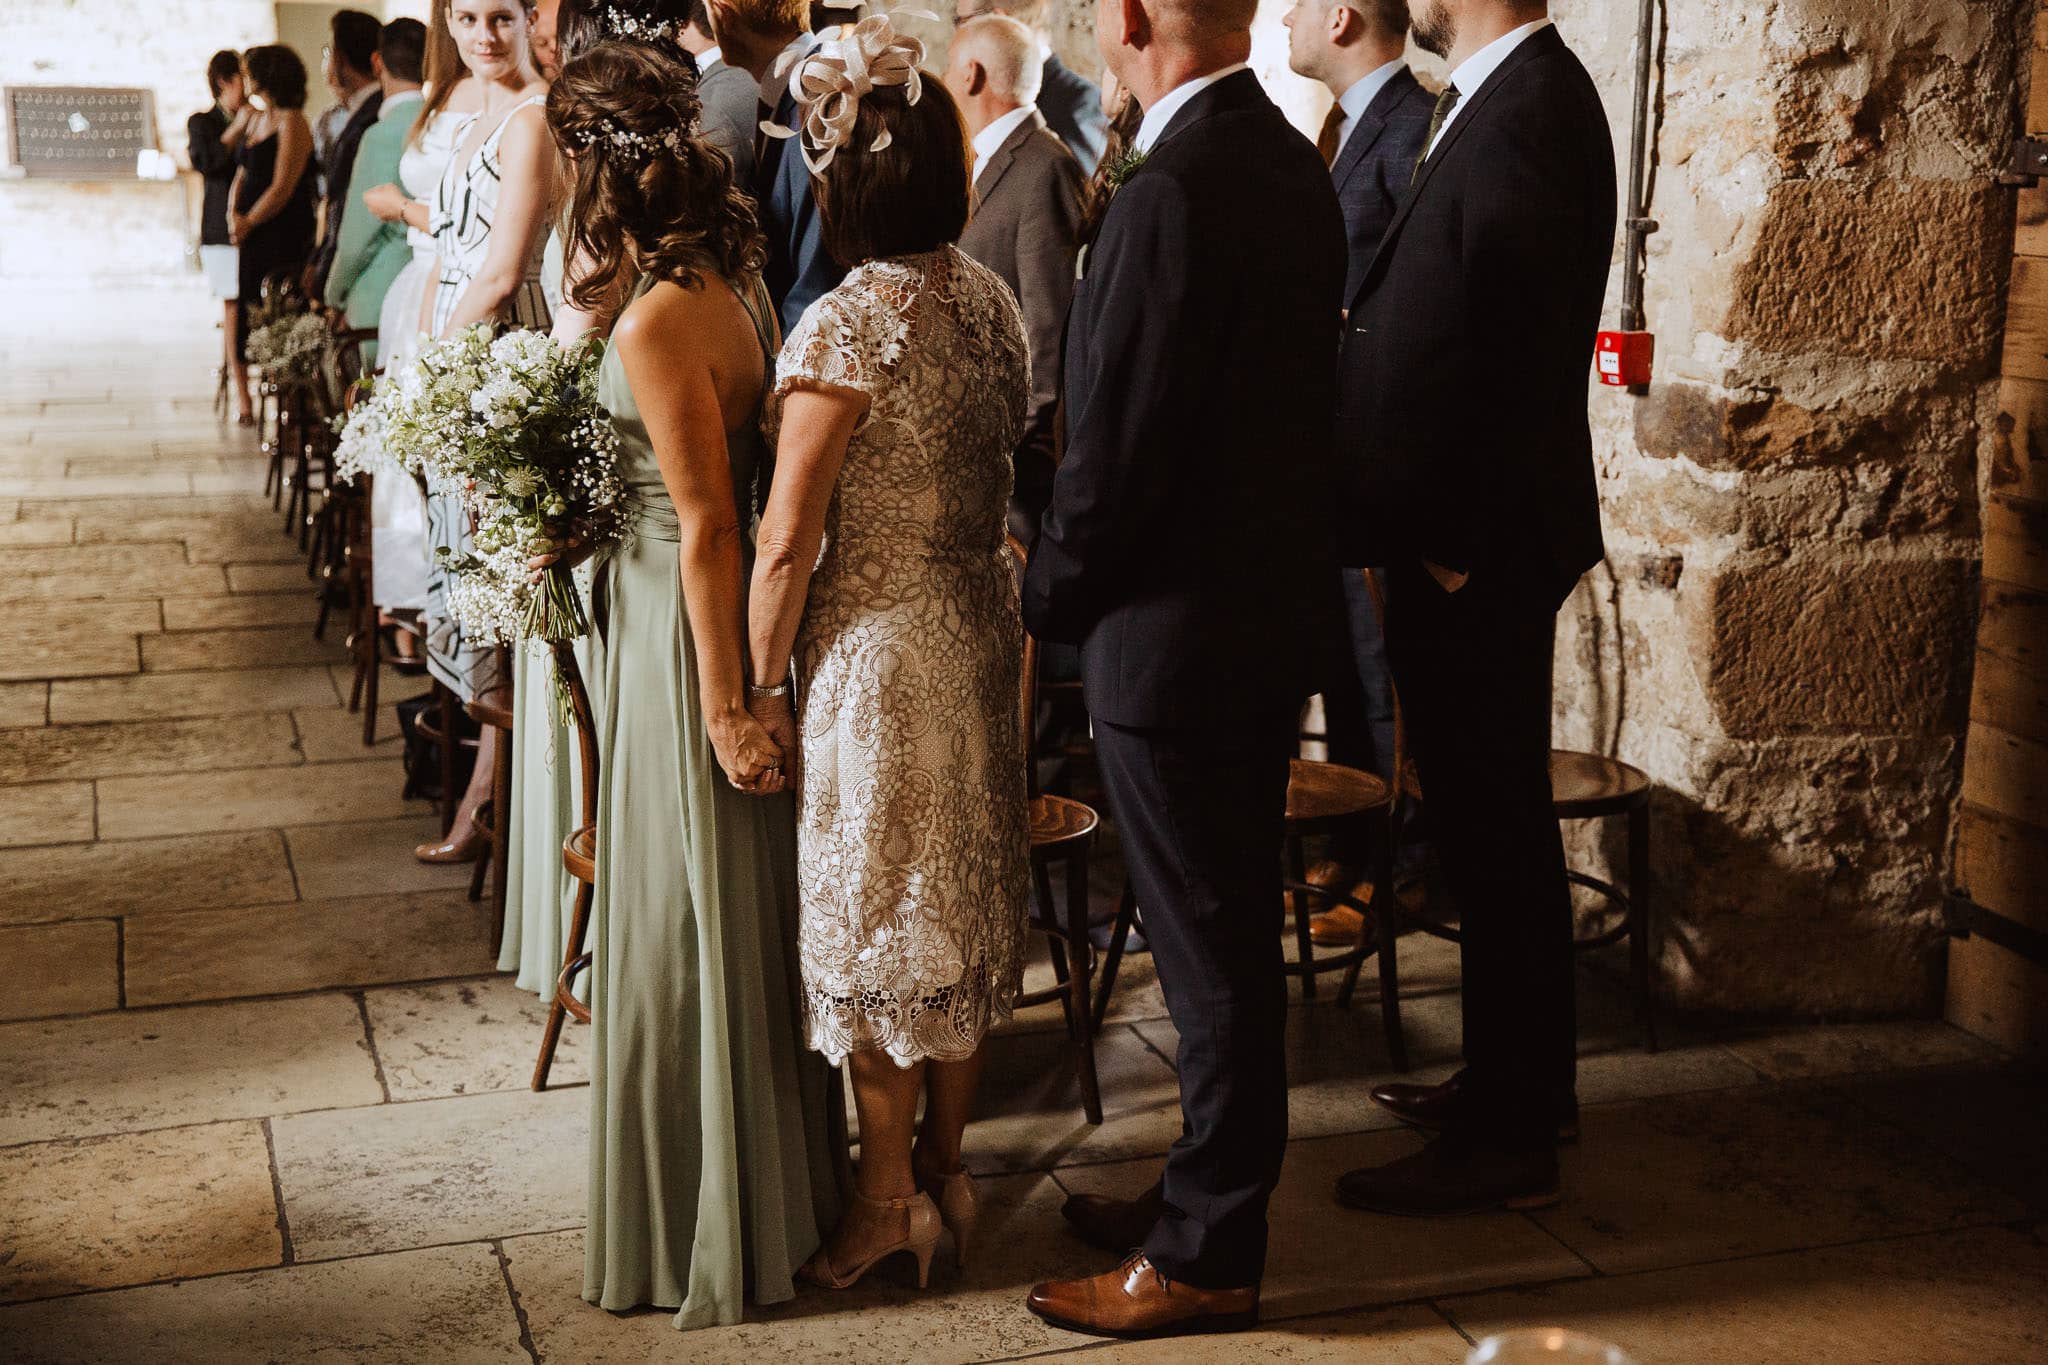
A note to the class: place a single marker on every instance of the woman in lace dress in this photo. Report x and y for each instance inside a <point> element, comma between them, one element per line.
<point>897,402</point>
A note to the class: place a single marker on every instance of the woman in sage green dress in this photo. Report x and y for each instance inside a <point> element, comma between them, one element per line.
<point>710,1172</point>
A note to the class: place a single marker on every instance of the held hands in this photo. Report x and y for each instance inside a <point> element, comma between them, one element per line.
<point>777,716</point>
<point>752,760</point>
<point>386,201</point>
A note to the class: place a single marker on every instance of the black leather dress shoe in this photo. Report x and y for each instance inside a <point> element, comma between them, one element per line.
<point>1117,1225</point>
<point>1432,1106</point>
<point>1451,1177</point>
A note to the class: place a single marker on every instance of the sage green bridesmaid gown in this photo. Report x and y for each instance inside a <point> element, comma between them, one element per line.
<point>711,1178</point>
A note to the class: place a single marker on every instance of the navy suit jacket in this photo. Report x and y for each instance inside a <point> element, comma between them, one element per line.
<point>1461,408</point>
<point>799,270</point>
<point>1371,173</point>
<point>1188,549</point>
<point>1072,105</point>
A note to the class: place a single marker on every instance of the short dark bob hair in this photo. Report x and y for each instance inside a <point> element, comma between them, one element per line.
<point>911,196</point>
<point>277,72</point>
<point>225,65</point>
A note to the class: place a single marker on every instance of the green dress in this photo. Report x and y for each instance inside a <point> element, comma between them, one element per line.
<point>711,1178</point>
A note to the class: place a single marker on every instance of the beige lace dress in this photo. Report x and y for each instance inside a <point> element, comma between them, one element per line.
<point>912,852</point>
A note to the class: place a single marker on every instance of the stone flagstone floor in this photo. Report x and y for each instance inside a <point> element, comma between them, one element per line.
<point>262,1097</point>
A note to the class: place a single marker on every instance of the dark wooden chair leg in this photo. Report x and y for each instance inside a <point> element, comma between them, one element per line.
<point>480,869</point>
<point>450,798</point>
<point>1081,1015</point>
<point>579,929</point>
<point>1113,959</point>
<point>375,667</point>
<point>501,827</point>
<point>1297,872</point>
<point>1639,920</point>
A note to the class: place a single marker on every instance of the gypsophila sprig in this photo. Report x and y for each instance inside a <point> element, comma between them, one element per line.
<point>291,346</point>
<point>513,426</point>
<point>363,444</point>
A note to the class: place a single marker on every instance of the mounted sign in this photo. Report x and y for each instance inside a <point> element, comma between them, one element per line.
<point>69,132</point>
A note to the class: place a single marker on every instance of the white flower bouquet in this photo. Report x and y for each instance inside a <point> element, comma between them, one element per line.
<point>514,424</point>
<point>291,346</point>
<point>364,446</point>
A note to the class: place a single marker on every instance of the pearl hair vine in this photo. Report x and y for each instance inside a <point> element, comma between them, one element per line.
<point>829,81</point>
<point>622,23</point>
<point>626,145</point>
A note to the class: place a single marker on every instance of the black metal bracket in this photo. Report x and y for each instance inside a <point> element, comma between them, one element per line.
<point>2028,163</point>
<point>1965,917</point>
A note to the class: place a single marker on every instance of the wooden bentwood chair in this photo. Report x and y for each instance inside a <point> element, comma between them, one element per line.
<point>579,857</point>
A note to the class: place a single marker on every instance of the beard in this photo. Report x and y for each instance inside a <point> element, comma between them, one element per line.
<point>1437,30</point>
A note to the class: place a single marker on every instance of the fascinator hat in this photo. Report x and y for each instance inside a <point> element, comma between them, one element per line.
<point>829,82</point>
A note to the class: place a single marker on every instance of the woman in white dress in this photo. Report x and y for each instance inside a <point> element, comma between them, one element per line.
<point>398,511</point>
<point>490,219</point>
<point>898,400</point>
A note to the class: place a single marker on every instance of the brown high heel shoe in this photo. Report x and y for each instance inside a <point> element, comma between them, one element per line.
<point>959,1207</point>
<point>455,850</point>
<point>920,1239</point>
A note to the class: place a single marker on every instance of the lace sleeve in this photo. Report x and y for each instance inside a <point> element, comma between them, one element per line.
<point>849,339</point>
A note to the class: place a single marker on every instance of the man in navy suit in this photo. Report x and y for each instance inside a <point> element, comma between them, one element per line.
<point>1188,554</point>
<point>1371,141</point>
<point>1070,102</point>
<point>754,35</point>
<point>1462,422</point>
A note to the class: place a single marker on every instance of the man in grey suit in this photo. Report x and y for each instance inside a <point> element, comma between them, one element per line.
<point>1070,102</point>
<point>730,97</point>
<point>1371,142</point>
<point>1027,216</point>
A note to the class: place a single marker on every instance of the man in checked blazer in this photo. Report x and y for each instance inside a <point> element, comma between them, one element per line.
<point>1027,216</point>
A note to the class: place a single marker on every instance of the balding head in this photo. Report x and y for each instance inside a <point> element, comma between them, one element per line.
<point>1007,53</point>
<point>1154,46</point>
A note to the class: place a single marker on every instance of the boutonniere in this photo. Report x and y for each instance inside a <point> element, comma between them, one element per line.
<point>1124,167</point>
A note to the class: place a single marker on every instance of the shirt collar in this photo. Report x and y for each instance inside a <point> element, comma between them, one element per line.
<point>1161,114</point>
<point>773,87</point>
<point>1366,89</point>
<point>991,138</point>
<point>707,59</point>
<point>1473,71</point>
<point>402,97</point>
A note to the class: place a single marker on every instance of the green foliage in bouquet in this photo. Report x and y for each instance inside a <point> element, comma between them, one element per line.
<point>290,346</point>
<point>513,426</point>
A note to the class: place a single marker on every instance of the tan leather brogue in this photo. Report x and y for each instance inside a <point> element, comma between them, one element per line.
<point>1136,1300</point>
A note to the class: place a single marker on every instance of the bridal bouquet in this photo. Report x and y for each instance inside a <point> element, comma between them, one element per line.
<point>514,425</point>
<point>290,346</point>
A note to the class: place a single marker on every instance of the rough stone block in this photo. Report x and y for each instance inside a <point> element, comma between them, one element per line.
<point>1900,270</point>
<point>1837,647</point>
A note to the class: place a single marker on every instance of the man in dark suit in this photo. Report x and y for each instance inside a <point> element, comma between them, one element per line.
<point>1027,218</point>
<point>755,35</point>
<point>1185,553</point>
<point>351,68</point>
<point>730,97</point>
<point>1371,140</point>
<point>1462,417</point>
<point>1071,103</point>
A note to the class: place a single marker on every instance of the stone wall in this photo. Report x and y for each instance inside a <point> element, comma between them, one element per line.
<point>1781,634</point>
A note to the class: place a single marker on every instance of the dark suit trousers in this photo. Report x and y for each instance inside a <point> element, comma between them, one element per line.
<point>1358,713</point>
<point>1474,672</point>
<point>1200,818</point>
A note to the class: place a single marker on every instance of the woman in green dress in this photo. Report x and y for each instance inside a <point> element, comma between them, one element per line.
<point>710,1172</point>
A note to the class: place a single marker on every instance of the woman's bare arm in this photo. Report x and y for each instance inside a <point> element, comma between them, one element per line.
<point>817,425</point>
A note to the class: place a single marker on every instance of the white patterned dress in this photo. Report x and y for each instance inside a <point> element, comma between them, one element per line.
<point>913,855</point>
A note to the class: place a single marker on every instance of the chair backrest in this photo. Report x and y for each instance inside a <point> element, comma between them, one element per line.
<point>1027,685</point>
<point>570,675</point>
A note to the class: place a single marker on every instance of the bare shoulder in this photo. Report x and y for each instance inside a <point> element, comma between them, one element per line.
<point>668,315</point>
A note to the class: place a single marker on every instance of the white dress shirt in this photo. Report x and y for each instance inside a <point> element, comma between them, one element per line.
<point>706,59</point>
<point>1161,114</point>
<point>1362,93</point>
<point>996,134</point>
<point>1474,70</point>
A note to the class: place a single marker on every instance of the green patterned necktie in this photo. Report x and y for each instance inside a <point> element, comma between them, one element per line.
<point>1445,102</point>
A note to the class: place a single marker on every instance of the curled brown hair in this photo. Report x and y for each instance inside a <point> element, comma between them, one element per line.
<point>911,196</point>
<point>651,194</point>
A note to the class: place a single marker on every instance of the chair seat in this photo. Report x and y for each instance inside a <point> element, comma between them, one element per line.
<point>1057,822</point>
<point>1329,791</point>
<point>493,708</point>
<point>1583,786</point>
<point>579,854</point>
